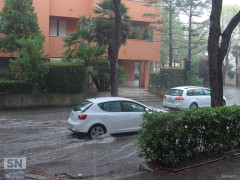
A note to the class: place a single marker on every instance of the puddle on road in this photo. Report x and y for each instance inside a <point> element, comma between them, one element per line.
<point>107,138</point>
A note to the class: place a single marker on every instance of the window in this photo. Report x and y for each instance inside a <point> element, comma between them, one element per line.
<point>207,91</point>
<point>83,106</point>
<point>197,92</point>
<point>58,28</point>
<point>175,92</point>
<point>133,107</point>
<point>113,106</point>
<point>189,93</point>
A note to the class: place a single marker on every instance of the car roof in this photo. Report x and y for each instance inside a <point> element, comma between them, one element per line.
<point>106,99</point>
<point>188,87</point>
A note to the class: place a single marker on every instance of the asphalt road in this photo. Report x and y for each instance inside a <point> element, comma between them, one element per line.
<point>41,135</point>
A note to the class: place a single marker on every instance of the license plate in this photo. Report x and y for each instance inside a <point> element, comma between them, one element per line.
<point>70,126</point>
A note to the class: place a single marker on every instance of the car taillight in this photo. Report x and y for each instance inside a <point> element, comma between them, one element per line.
<point>179,98</point>
<point>164,97</point>
<point>82,116</point>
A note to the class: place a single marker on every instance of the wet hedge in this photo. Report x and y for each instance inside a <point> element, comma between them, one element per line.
<point>167,77</point>
<point>173,137</point>
<point>66,77</point>
<point>63,78</point>
<point>14,87</point>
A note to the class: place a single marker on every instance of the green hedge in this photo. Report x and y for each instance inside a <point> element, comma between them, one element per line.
<point>66,77</point>
<point>175,136</point>
<point>14,87</point>
<point>167,78</point>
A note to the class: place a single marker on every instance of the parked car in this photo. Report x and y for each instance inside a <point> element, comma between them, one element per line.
<point>188,97</point>
<point>107,114</point>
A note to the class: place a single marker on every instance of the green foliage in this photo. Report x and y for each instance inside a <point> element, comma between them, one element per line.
<point>195,81</point>
<point>104,23</point>
<point>172,137</point>
<point>121,74</point>
<point>80,50</point>
<point>167,78</point>
<point>29,66</point>
<point>148,34</point>
<point>231,74</point>
<point>66,77</point>
<point>15,87</point>
<point>17,21</point>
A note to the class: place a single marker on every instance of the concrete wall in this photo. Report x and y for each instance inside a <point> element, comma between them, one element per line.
<point>42,100</point>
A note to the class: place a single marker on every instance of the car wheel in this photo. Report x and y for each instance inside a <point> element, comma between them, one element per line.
<point>96,130</point>
<point>194,106</point>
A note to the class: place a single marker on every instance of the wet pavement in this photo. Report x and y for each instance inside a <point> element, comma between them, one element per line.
<point>41,135</point>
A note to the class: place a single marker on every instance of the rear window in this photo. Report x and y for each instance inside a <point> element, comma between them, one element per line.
<point>83,106</point>
<point>175,92</point>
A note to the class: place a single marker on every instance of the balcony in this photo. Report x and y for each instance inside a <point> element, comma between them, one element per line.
<point>140,50</point>
<point>70,8</point>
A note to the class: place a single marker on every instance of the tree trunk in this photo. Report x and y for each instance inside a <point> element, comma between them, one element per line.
<point>217,52</point>
<point>115,48</point>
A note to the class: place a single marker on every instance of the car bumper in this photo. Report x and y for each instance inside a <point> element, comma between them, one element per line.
<point>76,126</point>
<point>173,106</point>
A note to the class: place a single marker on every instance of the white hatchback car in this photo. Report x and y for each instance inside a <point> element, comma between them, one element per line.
<point>107,114</point>
<point>188,97</point>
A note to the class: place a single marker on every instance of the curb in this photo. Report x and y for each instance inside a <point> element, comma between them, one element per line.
<point>144,167</point>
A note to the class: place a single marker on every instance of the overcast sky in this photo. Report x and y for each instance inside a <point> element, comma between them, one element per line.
<point>231,2</point>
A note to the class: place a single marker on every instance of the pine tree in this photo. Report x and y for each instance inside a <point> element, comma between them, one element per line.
<point>17,21</point>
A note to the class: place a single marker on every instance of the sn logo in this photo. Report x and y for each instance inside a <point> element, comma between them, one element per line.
<point>15,163</point>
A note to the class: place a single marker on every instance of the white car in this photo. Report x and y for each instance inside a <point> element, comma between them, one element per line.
<point>188,97</point>
<point>97,116</point>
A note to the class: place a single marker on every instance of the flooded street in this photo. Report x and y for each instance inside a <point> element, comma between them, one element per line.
<point>41,135</point>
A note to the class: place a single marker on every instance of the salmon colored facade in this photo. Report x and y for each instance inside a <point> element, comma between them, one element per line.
<point>58,18</point>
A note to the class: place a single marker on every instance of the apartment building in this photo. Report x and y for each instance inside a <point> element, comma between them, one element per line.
<point>58,18</point>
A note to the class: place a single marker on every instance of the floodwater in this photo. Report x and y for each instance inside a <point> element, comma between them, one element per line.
<point>41,135</point>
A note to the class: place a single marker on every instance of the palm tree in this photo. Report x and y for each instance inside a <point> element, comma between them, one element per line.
<point>112,28</point>
<point>105,24</point>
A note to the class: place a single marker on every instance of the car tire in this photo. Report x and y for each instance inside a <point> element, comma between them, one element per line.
<point>96,130</point>
<point>194,106</point>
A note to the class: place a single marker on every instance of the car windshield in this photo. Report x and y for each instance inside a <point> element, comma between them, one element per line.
<point>175,92</point>
<point>83,106</point>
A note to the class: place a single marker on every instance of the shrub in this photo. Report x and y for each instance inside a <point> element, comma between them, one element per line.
<point>167,78</point>
<point>66,77</point>
<point>231,74</point>
<point>29,66</point>
<point>173,77</point>
<point>172,137</point>
<point>15,87</point>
